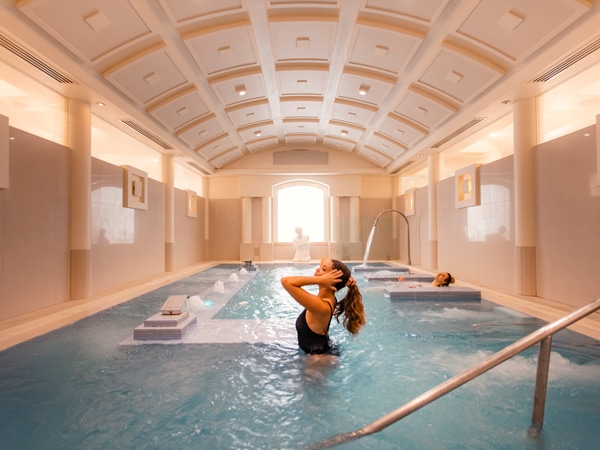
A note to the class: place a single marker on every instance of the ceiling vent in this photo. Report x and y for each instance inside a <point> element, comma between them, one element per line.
<point>568,62</point>
<point>461,130</point>
<point>148,134</point>
<point>33,60</point>
<point>300,157</point>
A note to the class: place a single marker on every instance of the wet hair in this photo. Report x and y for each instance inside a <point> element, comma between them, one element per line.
<point>351,306</point>
<point>449,280</point>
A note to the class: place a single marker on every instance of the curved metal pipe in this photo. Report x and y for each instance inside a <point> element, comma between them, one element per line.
<point>375,224</point>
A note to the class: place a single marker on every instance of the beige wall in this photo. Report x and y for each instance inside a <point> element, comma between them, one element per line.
<point>132,246</point>
<point>568,214</point>
<point>34,226</point>
<point>470,245</point>
<point>127,244</point>
<point>189,246</point>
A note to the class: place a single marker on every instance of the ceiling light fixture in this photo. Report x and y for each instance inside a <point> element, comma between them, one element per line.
<point>101,104</point>
<point>363,89</point>
<point>240,89</point>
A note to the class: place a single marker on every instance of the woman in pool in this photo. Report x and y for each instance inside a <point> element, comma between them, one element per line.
<point>312,324</point>
<point>441,279</point>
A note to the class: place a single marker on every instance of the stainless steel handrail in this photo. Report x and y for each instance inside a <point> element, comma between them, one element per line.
<point>543,334</point>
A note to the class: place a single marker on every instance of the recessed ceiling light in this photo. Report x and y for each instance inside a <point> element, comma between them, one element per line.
<point>101,104</point>
<point>240,89</point>
<point>363,89</point>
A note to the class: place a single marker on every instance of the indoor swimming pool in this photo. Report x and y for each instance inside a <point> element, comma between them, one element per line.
<point>90,386</point>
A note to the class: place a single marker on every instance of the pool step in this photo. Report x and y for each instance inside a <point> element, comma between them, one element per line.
<point>165,327</point>
<point>419,293</point>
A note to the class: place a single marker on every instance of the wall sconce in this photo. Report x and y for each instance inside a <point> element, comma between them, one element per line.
<point>409,202</point>
<point>191,202</point>
<point>363,89</point>
<point>466,184</point>
<point>240,89</point>
<point>135,188</point>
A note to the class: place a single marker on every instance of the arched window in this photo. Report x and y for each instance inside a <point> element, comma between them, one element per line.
<point>302,204</point>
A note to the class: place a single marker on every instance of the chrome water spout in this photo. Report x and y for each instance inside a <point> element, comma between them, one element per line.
<point>370,239</point>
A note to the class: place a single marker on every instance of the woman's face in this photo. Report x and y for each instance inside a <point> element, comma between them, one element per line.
<point>441,277</point>
<point>325,266</point>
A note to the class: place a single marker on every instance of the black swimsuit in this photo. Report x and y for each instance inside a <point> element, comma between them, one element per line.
<point>312,343</point>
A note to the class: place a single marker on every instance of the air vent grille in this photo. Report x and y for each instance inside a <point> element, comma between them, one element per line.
<point>148,134</point>
<point>33,60</point>
<point>568,62</point>
<point>461,130</point>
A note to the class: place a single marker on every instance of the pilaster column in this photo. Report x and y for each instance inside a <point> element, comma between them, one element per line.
<point>169,180</point>
<point>526,137</point>
<point>433,177</point>
<point>246,220</point>
<point>267,231</point>
<point>79,141</point>
<point>354,220</point>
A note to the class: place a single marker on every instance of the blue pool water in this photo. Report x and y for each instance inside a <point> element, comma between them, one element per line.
<point>79,388</point>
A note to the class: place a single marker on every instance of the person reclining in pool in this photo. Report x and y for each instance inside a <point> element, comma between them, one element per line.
<point>442,279</point>
<point>312,325</point>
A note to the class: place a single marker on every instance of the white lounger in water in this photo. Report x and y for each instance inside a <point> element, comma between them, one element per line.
<point>432,294</point>
<point>394,277</point>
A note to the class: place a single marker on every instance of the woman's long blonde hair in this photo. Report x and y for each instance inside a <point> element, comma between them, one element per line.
<point>351,306</point>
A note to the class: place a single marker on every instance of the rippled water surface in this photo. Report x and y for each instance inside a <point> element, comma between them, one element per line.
<point>78,388</point>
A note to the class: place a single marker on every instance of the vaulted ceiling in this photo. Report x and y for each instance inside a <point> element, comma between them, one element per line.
<point>216,81</point>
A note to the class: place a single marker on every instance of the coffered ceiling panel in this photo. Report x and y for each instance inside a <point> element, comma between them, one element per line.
<point>199,133</point>
<point>339,144</point>
<point>148,77</point>
<point>185,10</point>
<point>386,146</point>
<point>423,109</point>
<point>344,131</point>
<point>249,114</point>
<point>301,82</point>
<point>95,28</point>
<point>263,144</point>
<point>301,139</point>
<point>515,28</point>
<point>375,157</point>
<point>422,11</point>
<point>401,131</point>
<point>364,89</point>
<point>383,49</point>
<point>300,127</point>
<point>459,76</point>
<point>301,108</point>
<point>240,89</point>
<point>226,158</point>
<point>353,113</point>
<point>177,111</point>
<point>301,40</point>
<point>222,50</point>
<point>216,147</point>
<point>258,132</point>
<point>383,80</point>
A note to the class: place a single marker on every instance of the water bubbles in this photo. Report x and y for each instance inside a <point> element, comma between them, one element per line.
<point>219,287</point>
<point>233,277</point>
